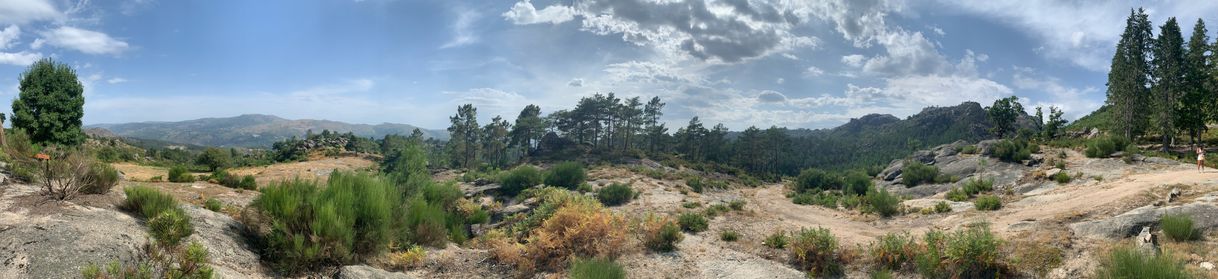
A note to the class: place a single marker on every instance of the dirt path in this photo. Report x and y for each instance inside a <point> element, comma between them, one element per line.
<point>1075,199</point>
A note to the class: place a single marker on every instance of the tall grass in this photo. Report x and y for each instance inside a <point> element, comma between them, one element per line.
<point>1179,227</point>
<point>815,250</point>
<point>596,269</point>
<point>1128,262</point>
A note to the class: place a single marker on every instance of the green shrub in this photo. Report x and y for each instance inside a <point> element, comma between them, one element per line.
<point>915,173</point>
<point>661,234</point>
<point>426,223</point>
<point>969,149</point>
<point>736,204</point>
<point>810,180</point>
<point>893,250</point>
<point>988,203</point>
<point>1014,150</point>
<point>942,207</point>
<point>776,240</point>
<point>691,204</point>
<point>883,203</point>
<point>311,225</point>
<point>929,261</point>
<point>615,194</point>
<point>815,251</point>
<point>1179,227</point>
<point>692,222</point>
<point>1128,262</point>
<point>1103,147</point>
<point>857,183</point>
<point>729,235</point>
<point>103,177</point>
<point>1062,177</point>
<point>973,252</point>
<point>596,269</point>
<point>956,195</point>
<point>520,178</point>
<point>147,201</point>
<point>169,227</point>
<point>180,174</point>
<point>567,175</point>
<point>695,183</point>
<point>248,182</point>
<point>716,209</point>
<point>977,185</point>
<point>881,274</point>
<point>213,204</point>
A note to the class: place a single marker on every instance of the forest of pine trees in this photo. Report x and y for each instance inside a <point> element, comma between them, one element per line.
<point>1162,85</point>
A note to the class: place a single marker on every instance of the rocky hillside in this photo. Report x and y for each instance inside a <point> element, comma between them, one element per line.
<point>251,130</point>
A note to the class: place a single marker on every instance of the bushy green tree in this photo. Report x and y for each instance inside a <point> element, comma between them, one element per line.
<point>1003,115</point>
<point>50,104</point>
<point>215,158</point>
<point>1198,95</point>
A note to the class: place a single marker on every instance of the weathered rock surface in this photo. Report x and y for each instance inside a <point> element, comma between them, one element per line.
<point>367,272</point>
<point>1204,215</point>
<point>59,245</point>
<point>226,243</point>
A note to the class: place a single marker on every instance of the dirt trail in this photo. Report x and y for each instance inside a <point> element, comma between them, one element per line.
<point>1078,198</point>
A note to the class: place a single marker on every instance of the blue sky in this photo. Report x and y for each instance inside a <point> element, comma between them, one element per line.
<point>810,64</point>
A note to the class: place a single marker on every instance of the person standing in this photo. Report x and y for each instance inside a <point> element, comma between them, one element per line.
<point>1200,159</point>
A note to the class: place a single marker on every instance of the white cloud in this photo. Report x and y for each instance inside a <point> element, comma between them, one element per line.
<point>726,32</point>
<point>23,58</point>
<point>1074,102</point>
<point>813,71</point>
<point>523,13</point>
<point>907,53</point>
<point>8,36</point>
<point>853,60</point>
<point>116,80</point>
<point>37,43</point>
<point>780,81</point>
<point>860,22</point>
<point>462,35</point>
<point>86,41</point>
<point>25,11</point>
<point>577,82</point>
<point>1085,39</point>
<point>771,96</point>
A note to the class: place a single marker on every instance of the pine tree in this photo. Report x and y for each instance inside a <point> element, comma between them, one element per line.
<point>1169,79</point>
<point>495,141</point>
<point>1128,77</point>
<point>464,135</point>
<point>655,130</point>
<point>528,129</point>
<point>1197,95</point>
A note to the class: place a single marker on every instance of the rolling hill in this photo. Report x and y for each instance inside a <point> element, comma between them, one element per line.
<point>251,130</point>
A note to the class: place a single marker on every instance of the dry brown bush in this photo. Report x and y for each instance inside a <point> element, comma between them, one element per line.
<point>577,230</point>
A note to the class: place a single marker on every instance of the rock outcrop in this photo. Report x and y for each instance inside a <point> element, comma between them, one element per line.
<point>59,245</point>
<point>1204,215</point>
<point>227,245</point>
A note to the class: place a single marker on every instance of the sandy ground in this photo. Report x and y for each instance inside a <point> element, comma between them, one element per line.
<point>316,169</point>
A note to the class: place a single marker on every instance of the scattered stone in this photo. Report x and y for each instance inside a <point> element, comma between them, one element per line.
<point>227,246</point>
<point>513,209</point>
<point>367,272</point>
<point>1052,172</point>
<point>986,147</point>
<point>1094,132</point>
<point>1207,266</point>
<point>1171,196</point>
<point>1147,242</point>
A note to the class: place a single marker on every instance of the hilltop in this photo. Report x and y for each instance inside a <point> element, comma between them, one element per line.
<point>251,130</point>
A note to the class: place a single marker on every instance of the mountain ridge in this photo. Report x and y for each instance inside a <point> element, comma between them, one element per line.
<point>251,130</point>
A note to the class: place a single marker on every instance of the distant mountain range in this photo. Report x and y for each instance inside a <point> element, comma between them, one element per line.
<point>250,130</point>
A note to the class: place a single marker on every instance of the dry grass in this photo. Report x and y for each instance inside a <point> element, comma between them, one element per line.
<point>577,230</point>
<point>318,169</point>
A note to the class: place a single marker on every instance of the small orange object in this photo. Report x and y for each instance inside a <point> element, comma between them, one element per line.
<point>42,156</point>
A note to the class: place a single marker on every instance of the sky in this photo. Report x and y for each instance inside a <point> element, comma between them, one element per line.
<point>793,63</point>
